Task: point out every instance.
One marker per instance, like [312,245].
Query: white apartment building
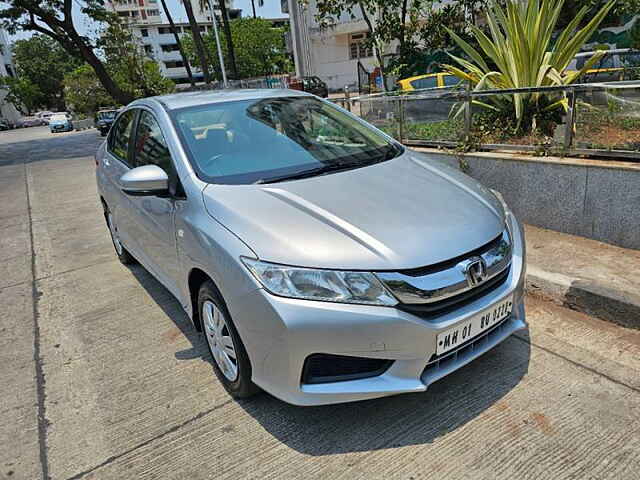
[149,25]
[7,110]
[331,54]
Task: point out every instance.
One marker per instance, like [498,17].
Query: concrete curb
[622,308]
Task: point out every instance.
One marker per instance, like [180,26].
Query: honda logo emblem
[476,271]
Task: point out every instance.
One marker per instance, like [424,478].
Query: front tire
[230,360]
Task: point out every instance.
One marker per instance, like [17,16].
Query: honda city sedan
[323,261]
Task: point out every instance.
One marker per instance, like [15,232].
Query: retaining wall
[596,199]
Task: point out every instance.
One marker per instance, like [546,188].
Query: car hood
[404,213]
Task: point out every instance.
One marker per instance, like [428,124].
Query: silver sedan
[323,261]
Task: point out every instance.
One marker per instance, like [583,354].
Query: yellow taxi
[430,80]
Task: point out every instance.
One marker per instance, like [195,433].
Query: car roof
[190,99]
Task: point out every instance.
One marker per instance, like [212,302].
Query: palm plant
[522,53]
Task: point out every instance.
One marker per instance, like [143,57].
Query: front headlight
[323,285]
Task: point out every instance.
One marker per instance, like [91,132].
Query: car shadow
[409,419]
[172,309]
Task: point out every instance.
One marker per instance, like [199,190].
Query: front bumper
[280,333]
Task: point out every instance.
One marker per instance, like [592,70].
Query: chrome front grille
[430,290]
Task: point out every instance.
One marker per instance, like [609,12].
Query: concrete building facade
[7,69]
[149,25]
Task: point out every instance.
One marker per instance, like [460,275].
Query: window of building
[153,13]
[164,30]
[174,64]
[358,48]
[144,32]
[148,49]
[169,47]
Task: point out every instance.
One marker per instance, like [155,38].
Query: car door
[115,163]
[152,217]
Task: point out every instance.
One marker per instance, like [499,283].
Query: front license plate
[481,322]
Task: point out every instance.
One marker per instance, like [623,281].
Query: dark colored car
[25,122]
[104,119]
[316,86]
[5,124]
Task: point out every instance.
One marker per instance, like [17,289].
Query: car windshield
[274,139]
[106,115]
[58,118]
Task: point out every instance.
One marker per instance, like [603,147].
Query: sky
[271,9]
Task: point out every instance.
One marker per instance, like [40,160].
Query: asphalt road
[103,376]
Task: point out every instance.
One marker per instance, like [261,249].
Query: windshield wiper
[310,173]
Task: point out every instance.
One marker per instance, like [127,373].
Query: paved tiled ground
[103,376]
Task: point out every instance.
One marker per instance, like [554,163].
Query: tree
[520,46]
[128,65]
[172,26]
[42,62]
[84,92]
[197,41]
[260,48]
[22,93]
[54,18]
[231,52]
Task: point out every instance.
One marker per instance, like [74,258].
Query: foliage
[259,48]
[84,92]
[42,62]
[521,50]
[418,28]
[621,8]
[55,19]
[634,35]
[25,95]
[128,65]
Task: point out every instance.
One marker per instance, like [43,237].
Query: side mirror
[145,181]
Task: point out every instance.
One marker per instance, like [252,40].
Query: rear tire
[123,254]
[230,360]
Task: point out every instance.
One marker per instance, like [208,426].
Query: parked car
[44,116]
[25,122]
[5,124]
[315,86]
[104,119]
[610,68]
[323,261]
[60,122]
[430,80]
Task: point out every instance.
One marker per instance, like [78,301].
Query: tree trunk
[227,33]
[94,62]
[197,40]
[373,39]
[177,37]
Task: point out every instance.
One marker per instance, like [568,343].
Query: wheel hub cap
[219,340]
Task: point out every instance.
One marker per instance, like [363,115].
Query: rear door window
[450,80]
[426,82]
[121,136]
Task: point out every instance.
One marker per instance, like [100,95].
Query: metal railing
[600,119]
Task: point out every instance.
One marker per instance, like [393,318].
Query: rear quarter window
[120,136]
